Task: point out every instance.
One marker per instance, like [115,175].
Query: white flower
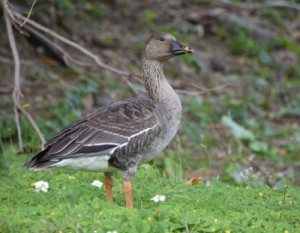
[111,232]
[41,186]
[159,198]
[97,183]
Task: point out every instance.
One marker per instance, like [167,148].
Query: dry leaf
[282,152]
[194,180]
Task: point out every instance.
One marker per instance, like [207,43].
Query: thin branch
[34,125]
[9,61]
[133,88]
[254,6]
[17,94]
[197,86]
[16,91]
[6,8]
[29,13]
[203,92]
[55,48]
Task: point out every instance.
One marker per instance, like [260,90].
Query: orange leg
[128,193]
[108,188]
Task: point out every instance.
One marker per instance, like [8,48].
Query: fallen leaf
[282,152]
[194,180]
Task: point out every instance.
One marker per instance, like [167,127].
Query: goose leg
[128,193]
[108,188]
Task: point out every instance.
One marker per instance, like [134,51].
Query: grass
[72,204]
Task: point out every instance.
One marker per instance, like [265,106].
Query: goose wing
[100,132]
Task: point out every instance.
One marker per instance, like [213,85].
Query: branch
[16,91]
[57,52]
[203,91]
[9,61]
[254,6]
[17,94]
[29,13]
[6,8]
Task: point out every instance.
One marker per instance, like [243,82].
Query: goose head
[162,46]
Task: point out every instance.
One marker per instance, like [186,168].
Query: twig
[34,125]
[253,6]
[197,86]
[29,13]
[57,50]
[16,91]
[6,8]
[9,61]
[133,88]
[204,92]
[17,94]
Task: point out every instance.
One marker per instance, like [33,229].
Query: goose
[124,134]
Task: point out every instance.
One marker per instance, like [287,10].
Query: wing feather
[100,132]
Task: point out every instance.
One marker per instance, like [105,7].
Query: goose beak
[179,49]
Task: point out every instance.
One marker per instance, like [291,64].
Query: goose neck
[155,82]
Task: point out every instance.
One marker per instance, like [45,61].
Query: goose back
[122,132]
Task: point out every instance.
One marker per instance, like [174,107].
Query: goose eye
[161,38]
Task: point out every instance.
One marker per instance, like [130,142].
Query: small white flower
[41,186]
[97,183]
[111,232]
[159,198]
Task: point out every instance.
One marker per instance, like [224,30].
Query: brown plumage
[124,134]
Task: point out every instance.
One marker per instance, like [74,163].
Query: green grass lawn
[72,204]
[246,114]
